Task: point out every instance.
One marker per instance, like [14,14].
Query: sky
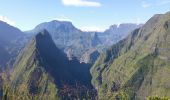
[89,15]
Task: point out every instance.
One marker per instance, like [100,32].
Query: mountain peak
[9,32]
[113,26]
[44,40]
[54,25]
[43,33]
[57,21]
[62,24]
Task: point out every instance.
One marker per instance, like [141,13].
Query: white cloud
[63,19]
[81,3]
[5,19]
[163,2]
[92,28]
[146,4]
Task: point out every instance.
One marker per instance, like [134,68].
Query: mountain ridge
[12,40]
[136,67]
[44,69]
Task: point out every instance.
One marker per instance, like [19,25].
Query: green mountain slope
[138,66]
[42,72]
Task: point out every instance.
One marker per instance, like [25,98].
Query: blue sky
[84,14]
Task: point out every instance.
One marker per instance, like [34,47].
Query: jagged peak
[44,40]
[114,26]
[43,33]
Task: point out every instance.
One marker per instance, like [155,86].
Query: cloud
[63,19]
[79,3]
[146,4]
[5,19]
[163,2]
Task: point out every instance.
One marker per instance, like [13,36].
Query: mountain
[43,71]
[76,43]
[116,33]
[9,33]
[90,56]
[67,37]
[11,41]
[138,66]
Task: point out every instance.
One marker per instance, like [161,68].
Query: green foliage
[158,98]
[139,63]
[41,75]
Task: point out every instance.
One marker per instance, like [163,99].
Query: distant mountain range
[74,42]
[116,33]
[77,43]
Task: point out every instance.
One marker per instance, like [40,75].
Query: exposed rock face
[90,56]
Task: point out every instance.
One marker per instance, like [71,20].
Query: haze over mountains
[73,41]
[56,60]
[76,43]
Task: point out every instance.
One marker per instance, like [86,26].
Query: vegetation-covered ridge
[138,66]
[42,72]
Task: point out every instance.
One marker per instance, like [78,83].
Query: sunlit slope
[138,66]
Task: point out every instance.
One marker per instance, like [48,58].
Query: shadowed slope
[43,69]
